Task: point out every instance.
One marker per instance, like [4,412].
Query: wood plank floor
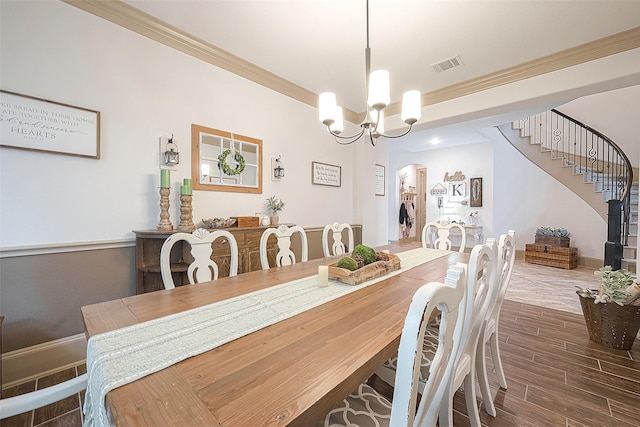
[556,376]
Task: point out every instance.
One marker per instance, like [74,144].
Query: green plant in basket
[619,286]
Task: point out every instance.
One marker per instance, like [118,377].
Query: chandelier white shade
[379,97]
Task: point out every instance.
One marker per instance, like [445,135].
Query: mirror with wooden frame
[223,161]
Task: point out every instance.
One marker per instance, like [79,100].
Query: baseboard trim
[26,364]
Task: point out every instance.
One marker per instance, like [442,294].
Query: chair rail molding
[55,248]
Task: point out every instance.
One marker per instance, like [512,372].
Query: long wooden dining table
[290,373]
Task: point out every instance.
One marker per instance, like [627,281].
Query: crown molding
[611,45]
[133,19]
[142,23]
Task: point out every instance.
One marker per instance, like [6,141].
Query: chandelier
[377,85]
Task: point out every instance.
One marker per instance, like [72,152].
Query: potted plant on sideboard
[274,205]
[612,313]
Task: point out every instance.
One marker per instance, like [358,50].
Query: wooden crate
[248,221]
[552,241]
[368,272]
[552,256]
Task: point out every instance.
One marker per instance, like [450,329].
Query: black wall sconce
[171,157]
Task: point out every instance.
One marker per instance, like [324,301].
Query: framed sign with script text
[37,124]
[324,174]
[380,180]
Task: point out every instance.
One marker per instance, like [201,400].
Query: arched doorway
[411,208]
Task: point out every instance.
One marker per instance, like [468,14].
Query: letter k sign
[456,190]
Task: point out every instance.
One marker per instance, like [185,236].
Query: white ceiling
[319,44]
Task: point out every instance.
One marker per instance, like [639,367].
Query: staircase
[587,162]
[630,248]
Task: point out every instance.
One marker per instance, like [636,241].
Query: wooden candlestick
[186,214]
[164,224]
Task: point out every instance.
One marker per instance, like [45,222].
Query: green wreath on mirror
[222,160]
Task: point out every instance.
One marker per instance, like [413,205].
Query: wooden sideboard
[149,243]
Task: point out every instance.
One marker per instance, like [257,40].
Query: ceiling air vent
[447,64]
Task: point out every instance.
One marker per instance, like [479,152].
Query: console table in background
[149,243]
[474,231]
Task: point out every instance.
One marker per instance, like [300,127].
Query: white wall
[526,197]
[473,160]
[516,194]
[144,90]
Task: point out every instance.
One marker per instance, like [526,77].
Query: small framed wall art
[380,180]
[324,174]
[475,199]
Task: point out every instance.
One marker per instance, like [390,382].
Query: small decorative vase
[274,220]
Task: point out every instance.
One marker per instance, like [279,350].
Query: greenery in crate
[552,231]
[619,286]
[362,255]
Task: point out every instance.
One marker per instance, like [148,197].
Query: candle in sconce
[323,275]
[165,178]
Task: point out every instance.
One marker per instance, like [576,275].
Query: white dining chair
[285,255]
[15,405]
[489,333]
[337,247]
[366,407]
[481,277]
[437,236]
[203,268]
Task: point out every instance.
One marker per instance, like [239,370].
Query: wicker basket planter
[610,324]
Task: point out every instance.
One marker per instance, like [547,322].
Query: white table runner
[124,355]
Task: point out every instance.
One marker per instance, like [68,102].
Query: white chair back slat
[437,236]
[482,276]
[203,268]
[37,399]
[337,247]
[489,333]
[285,255]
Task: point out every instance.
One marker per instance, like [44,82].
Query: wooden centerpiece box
[553,256]
[368,272]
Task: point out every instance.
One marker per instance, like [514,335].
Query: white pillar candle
[323,275]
